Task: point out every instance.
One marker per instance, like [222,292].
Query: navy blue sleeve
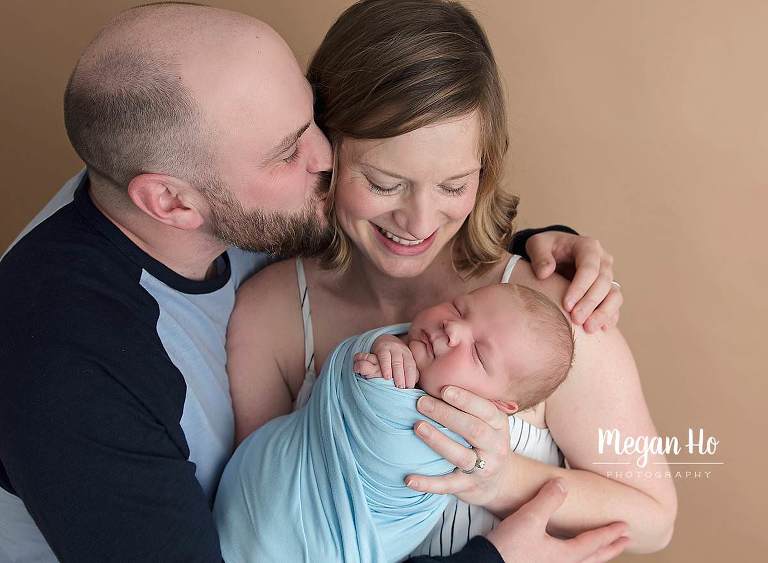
[521,238]
[478,550]
[100,475]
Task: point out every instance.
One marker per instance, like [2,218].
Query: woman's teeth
[399,240]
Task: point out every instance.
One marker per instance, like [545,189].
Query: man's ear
[507,407]
[166,199]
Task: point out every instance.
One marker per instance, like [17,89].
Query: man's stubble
[299,233]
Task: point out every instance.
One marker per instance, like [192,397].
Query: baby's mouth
[428,343]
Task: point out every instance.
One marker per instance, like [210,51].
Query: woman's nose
[417,216]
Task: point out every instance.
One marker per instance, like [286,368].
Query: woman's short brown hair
[388,67]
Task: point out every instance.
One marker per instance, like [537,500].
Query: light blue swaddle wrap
[325,483]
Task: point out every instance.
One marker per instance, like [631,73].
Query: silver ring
[479,463]
[617,284]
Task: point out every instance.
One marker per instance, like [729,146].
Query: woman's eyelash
[454,191]
[381,191]
[294,156]
[451,191]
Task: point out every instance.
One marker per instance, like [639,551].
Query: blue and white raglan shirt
[115,415]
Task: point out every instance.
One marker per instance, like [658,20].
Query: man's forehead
[260,116]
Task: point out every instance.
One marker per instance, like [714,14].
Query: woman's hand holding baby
[481,424]
[390,358]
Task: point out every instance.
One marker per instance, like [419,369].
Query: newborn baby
[506,343]
[326,482]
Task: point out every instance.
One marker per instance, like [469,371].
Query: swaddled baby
[325,483]
[506,343]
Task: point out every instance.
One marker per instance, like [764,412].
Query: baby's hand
[394,360]
[367,365]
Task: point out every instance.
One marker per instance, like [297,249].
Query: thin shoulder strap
[510,266]
[306,315]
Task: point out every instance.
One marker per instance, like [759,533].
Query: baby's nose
[453,329]
[439,340]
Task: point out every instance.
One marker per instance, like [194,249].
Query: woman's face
[401,200]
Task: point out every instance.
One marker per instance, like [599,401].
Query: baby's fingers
[366,368]
[411,372]
[385,362]
[398,369]
[368,357]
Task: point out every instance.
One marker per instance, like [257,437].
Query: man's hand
[522,537]
[390,358]
[591,299]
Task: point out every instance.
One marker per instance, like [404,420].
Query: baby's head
[507,343]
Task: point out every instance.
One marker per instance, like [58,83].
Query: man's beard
[301,233]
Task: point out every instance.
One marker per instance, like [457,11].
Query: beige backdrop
[641,122]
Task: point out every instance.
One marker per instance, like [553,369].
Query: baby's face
[477,342]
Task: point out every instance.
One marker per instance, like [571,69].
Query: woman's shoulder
[553,287]
[270,298]
[275,284]
[267,317]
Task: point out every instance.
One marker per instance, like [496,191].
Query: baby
[507,343]
[326,482]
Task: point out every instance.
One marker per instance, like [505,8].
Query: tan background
[641,122]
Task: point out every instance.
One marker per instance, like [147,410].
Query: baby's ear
[507,407]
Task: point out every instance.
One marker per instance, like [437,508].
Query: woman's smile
[399,246]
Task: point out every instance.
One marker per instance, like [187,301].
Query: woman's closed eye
[453,190]
[382,190]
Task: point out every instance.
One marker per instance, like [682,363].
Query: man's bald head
[132,103]
[195,116]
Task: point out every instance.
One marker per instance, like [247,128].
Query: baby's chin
[428,378]
[429,384]
[421,357]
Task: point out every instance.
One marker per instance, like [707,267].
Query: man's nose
[321,158]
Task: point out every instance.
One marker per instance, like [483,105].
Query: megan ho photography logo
[698,444]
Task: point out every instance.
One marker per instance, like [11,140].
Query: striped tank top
[460,521]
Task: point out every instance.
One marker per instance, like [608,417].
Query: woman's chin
[402,266]
[403,271]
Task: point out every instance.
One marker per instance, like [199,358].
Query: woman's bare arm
[263,345]
[599,393]
[602,391]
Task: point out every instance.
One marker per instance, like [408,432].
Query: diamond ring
[479,463]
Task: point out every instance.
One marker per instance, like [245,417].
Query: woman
[409,94]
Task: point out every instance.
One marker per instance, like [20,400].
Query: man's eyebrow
[286,143]
[399,177]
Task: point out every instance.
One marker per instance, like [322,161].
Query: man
[114,408]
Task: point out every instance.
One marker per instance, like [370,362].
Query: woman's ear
[166,199]
[507,407]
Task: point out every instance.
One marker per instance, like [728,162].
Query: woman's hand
[481,424]
[592,300]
